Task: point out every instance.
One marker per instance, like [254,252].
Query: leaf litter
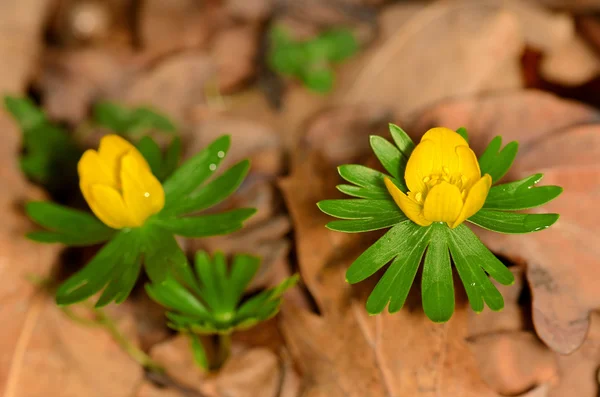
[423,64]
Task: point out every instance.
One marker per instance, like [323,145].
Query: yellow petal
[443,203]
[111,151]
[411,209]
[445,140]
[468,166]
[92,170]
[142,192]
[109,207]
[419,165]
[475,199]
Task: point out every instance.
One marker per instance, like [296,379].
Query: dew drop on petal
[146,194]
[212,167]
[221,154]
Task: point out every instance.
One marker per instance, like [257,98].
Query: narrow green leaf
[25,112]
[363,176]
[207,225]
[359,208]
[478,253]
[361,192]
[125,276]
[112,116]
[220,279]
[242,271]
[96,274]
[398,278]
[68,226]
[366,225]
[389,156]
[195,171]
[174,296]
[162,254]
[437,286]
[497,162]
[208,278]
[469,255]
[319,78]
[402,140]
[511,222]
[151,152]
[462,131]
[214,192]
[198,352]
[521,194]
[172,158]
[145,118]
[391,244]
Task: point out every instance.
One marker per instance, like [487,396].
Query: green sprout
[311,61]
[209,301]
[431,189]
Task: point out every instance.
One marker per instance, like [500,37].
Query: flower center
[456,179]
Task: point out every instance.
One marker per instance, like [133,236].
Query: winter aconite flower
[443,179]
[118,184]
[431,190]
[136,216]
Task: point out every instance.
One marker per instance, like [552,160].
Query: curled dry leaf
[514,362]
[343,351]
[562,262]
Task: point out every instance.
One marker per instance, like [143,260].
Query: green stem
[137,354]
[224,350]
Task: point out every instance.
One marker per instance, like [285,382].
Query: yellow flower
[443,179]
[118,184]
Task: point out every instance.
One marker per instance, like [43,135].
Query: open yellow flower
[443,179]
[118,184]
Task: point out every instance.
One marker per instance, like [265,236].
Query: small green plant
[132,123]
[209,301]
[431,189]
[49,156]
[137,216]
[311,61]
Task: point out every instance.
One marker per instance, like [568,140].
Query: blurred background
[300,85]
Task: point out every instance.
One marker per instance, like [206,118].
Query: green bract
[407,243]
[115,268]
[131,122]
[311,61]
[208,299]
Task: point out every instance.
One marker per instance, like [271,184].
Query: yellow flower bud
[118,184]
[443,179]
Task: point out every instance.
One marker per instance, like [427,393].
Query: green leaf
[244,268]
[340,43]
[319,78]
[152,153]
[510,222]
[361,192]
[198,351]
[207,225]
[521,194]
[402,141]
[469,254]
[195,171]
[25,112]
[359,208]
[365,225]
[462,131]
[437,286]
[497,162]
[387,247]
[174,296]
[112,116]
[68,226]
[389,156]
[398,278]
[363,176]
[211,292]
[162,254]
[96,274]
[145,118]
[171,160]
[125,276]
[214,192]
